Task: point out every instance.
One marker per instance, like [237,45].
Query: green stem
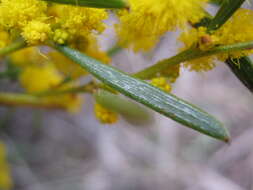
[13,47]
[14,99]
[87,88]
[190,54]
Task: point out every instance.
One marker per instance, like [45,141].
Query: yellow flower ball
[104,115]
[40,78]
[142,26]
[162,83]
[36,32]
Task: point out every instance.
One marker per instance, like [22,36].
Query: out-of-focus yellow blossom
[66,66]
[71,102]
[40,78]
[27,57]
[104,115]
[226,35]
[33,57]
[36,32]
[5,176]
[17,13]
[142,26]
[162,83]
[87,45]
[4,38]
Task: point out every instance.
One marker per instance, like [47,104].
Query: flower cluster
[39,74]
[38,21]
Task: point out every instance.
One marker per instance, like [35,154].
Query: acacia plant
[47,46]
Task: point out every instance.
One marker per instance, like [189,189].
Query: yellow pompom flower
[142,26]
[38,21]
[17,13]
[28,57]
[162,83]
[75,20]
[228,34]
[40,78]
[5,178]
[72,102]
[104,115]
[36,32]
[60,36]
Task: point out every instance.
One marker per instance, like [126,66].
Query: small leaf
[144,93]
[129,110]
[243,69]
[226,10]
[94,3]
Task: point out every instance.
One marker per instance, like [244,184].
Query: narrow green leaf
[94,3]
[203,22]
[243,69]
[154,98]
[226,10]
[216,2]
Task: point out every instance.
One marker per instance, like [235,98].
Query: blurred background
[55,150]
